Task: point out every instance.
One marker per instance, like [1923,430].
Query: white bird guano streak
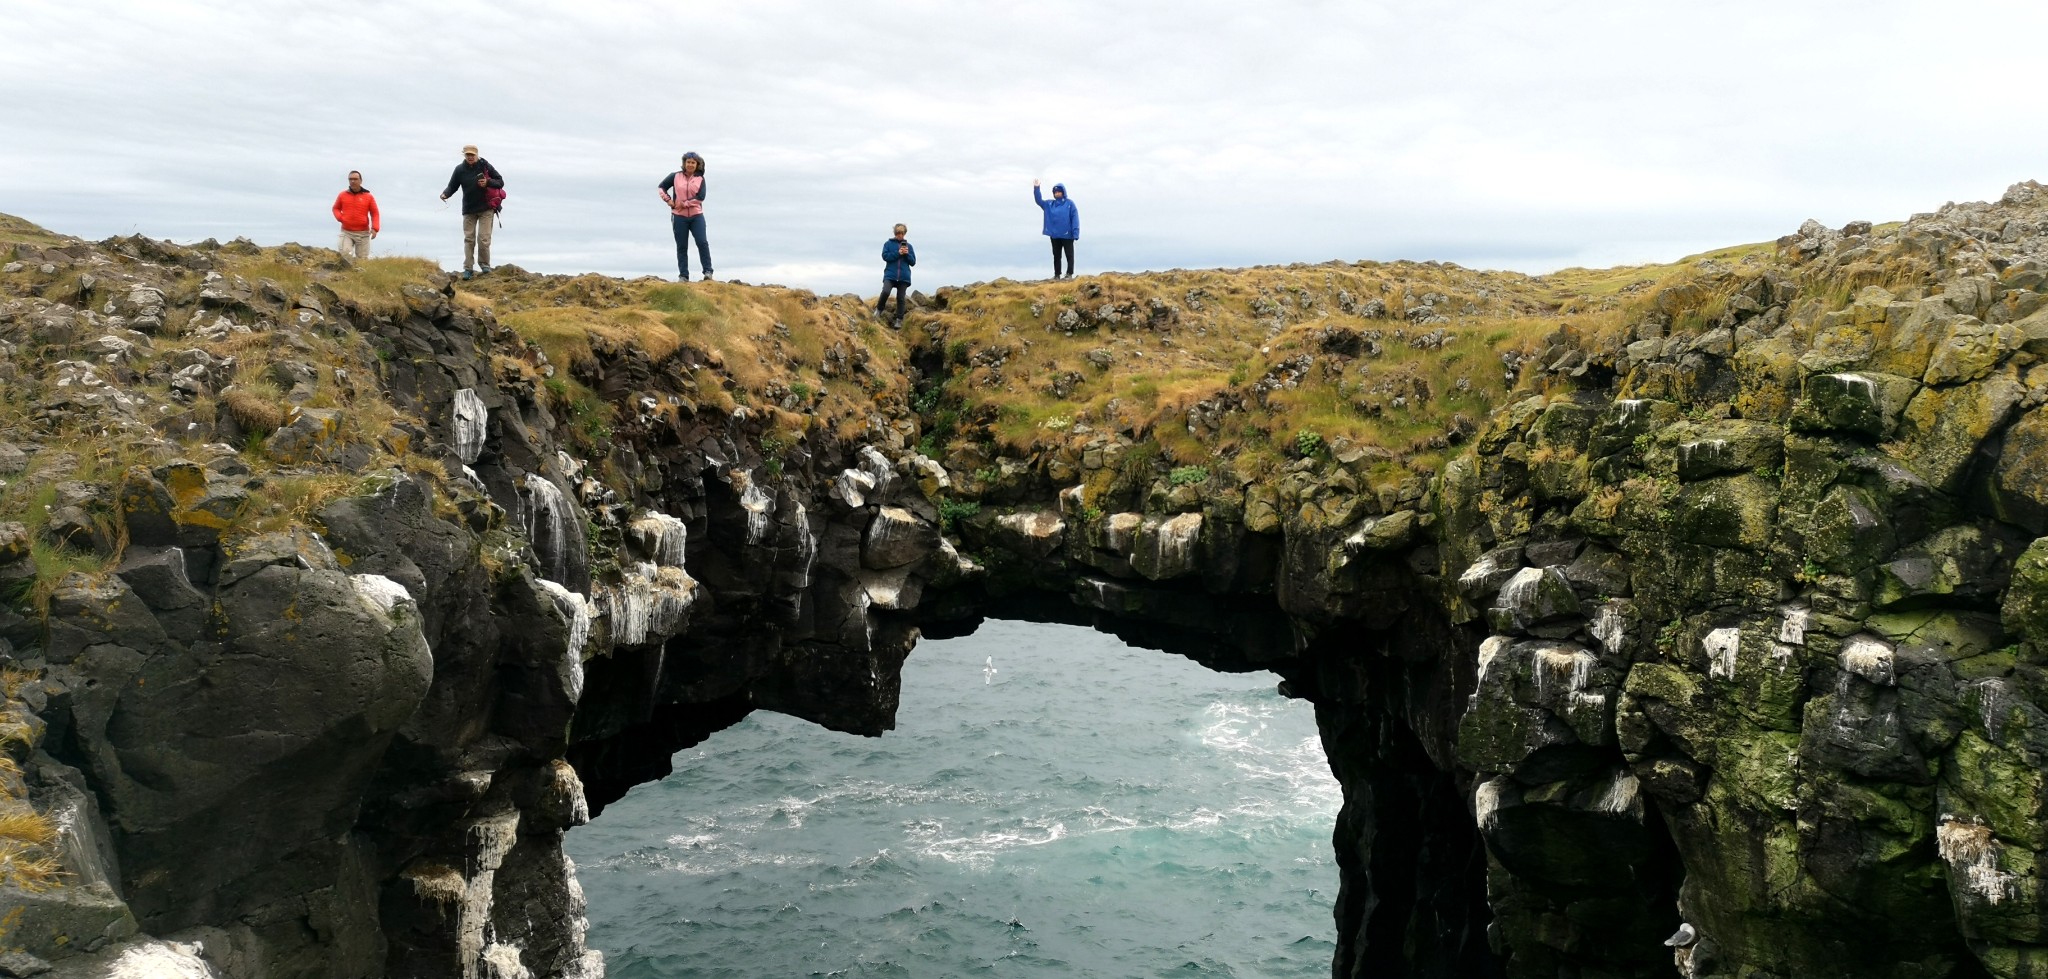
[660,537]
[471,418]
[1722,646]
[546,523]
[651,602]
[577,611]
[1970,849]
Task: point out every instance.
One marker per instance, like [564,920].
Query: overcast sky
[1526,134]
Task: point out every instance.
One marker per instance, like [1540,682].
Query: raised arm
[1037,197]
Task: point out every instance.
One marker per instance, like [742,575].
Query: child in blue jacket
[1062,225]
[897,258]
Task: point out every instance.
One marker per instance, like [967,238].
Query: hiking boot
[707,275]
[485,270]
[467,275]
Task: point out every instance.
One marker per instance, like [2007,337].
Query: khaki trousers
[354,244]
[476,240]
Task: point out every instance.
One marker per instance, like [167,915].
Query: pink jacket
[682,198]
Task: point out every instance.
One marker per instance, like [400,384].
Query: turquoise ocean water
[1052,803]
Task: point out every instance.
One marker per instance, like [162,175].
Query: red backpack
[494,197]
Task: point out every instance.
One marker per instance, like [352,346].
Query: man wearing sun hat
[476,178]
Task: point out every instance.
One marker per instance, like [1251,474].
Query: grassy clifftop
[1384,367]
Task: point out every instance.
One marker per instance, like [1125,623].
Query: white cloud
[1529,135]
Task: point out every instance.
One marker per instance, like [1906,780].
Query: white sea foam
[1240,733]
[979,850]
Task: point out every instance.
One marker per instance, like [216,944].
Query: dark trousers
[900,287]
[1062,246]
[686,228]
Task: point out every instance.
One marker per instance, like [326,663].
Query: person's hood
[1059,188]
[692,155]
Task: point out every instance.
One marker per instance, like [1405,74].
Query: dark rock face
[1724,659]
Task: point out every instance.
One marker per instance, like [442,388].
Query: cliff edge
[1682,619]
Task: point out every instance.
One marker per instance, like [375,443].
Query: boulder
[1167,547]
[1533,596]
[896,538]
[1729,446]
[2026,598]
[1971,350]
[1867,403]
[1037,534]
[1485,576]
[1388,533]
[1942,428]
[308,435]
[2020,480]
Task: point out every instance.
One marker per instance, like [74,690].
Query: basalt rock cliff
[1682,621]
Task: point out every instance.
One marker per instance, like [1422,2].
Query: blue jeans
[686,228]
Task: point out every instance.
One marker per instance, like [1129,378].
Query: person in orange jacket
[356,209]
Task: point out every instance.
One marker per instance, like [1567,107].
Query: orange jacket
[357,212]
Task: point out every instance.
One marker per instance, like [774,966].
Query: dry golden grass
[765,347]
[258,406]
[378,284]
[14,229]
[1218,335]
[26,837]
[570,334]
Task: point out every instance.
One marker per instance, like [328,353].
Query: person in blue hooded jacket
[897,258]
[1062,225]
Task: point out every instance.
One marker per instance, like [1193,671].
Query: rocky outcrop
[1714,649]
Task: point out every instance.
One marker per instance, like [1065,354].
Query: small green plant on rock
[1667,637]
[1308,443]
[1188,475]
[952,511]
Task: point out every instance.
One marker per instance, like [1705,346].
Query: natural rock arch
[1732,613]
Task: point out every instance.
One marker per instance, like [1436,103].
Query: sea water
[1051,803]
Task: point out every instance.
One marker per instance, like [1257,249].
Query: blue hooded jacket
[897,261]
[1062,219]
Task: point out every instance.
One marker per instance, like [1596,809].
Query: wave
[980,849]
[1265,759]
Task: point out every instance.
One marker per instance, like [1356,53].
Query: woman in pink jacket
[683,192]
